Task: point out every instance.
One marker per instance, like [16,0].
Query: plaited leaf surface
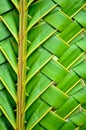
[42,64]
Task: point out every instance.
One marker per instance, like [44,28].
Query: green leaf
[2,125]
[82,44]
[80,96]
[53,121]
[42,64]
[68,125]
[5,6]
[64,110]
[56,96]
[11,16]
[40,10]
[69,80]
[68,58]
[55,45]
[74,6]
[40,112]
[10,55]
[4,32]
[58,16]
[54,71]
[42,59]
[6,108]
[7,81]
[42,36]
[2,58]
[80,17]
[79,119]
[79,69]
[38,88]
[70,31]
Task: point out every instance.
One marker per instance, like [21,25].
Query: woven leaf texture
[55,81]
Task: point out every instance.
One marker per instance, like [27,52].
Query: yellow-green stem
[21,65]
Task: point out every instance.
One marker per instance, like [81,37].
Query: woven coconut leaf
[42,64]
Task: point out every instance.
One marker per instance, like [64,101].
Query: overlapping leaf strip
[56,65]
[8,64]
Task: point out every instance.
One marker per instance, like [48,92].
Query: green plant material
[42,64]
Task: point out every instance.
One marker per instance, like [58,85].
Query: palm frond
[42,64]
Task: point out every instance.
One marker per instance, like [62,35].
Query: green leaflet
[53,121]
[70,31]
[36,117]
[41,9]
[57,16]
[10,55]
[6,108]
[38,88]
[67,59]
[79,69]
[51,70]
[68,125]
[81,44]
[56,96]
[41,59]
[55,45]
[80,96]
[4,32]
[80,119]
[5,6]
[2,125]
[1,86]
[42,36]
[13,17]
[38,127]
[64,109]
[80,17]
[69,80]
[7,81]
[2,58]
[74,6]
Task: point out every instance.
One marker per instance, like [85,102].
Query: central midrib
[21,65]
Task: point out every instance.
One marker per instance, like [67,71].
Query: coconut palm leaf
[42,64]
